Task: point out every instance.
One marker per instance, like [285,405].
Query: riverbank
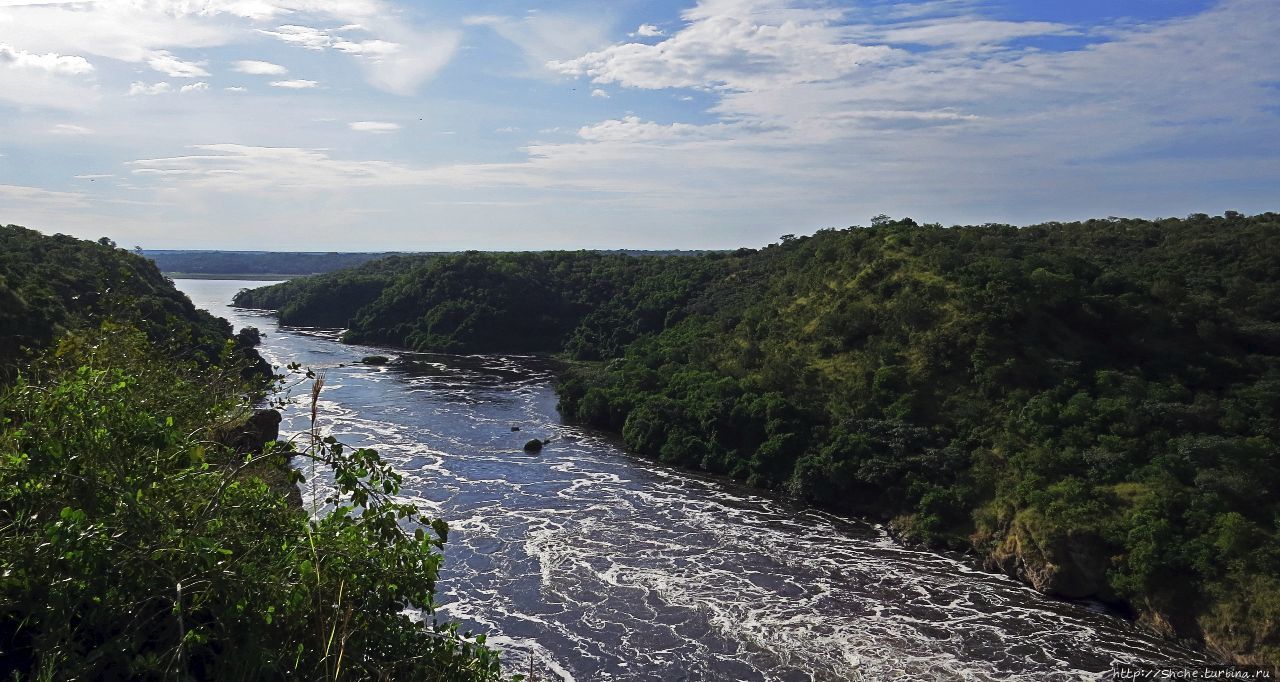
[1094,424]
[602,563]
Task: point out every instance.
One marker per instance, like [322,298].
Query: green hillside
[50,285]
[1091,407]
[150,524]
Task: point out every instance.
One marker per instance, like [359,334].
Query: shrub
[134,545]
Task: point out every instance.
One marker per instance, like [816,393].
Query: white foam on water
[606,566]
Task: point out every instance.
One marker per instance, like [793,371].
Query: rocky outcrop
[1073,566]
[255,367]
[254,434]
[251,437]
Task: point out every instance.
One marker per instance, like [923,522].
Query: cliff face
[262,427]
[1075,567]
[1072,566]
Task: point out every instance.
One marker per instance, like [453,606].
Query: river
[599,565]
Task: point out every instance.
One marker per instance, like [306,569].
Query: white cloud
[146,32]
[257,68]
[733,45]
[367,48]
[600,93]
[546,37]
[70,129]
[646,31]
[238,169]
[140,88]
[151,31]
[257,10]
[816,77]
[374,126]
[399,62]
[236,88]
[50,62]
[808,113]
[632,129]
[295,84]
[321,39]
[808,102]
[971,32]
[94,176]
[195,87]
[394,55]
[401,66]
[235,168]
[164,62]
[302,36]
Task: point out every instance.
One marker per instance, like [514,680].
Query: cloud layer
[725,124]
[49,62]
[259,68]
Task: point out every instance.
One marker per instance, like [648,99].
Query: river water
[591,564]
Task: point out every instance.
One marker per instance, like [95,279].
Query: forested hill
[461,302]
[285,264]
[1092,407]
[255,263]
[150,525]
[52,285]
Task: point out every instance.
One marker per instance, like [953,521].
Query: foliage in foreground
[133,545]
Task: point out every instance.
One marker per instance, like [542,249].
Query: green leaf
[441,528]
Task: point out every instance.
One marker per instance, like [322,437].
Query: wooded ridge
[149,519]
[1092,407]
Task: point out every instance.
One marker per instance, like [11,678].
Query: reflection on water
[603,566]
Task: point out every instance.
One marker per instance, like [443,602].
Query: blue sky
[377,124]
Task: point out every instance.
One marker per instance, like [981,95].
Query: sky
[371,125]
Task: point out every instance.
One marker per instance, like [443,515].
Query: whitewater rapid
[598,565]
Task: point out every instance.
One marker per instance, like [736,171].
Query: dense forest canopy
[460,302]
[255,262]
[50,285]
[1093,407]
[246,264]
[150,524]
